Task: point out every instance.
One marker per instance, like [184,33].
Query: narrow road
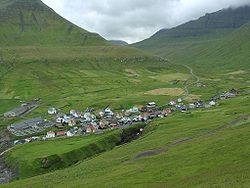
[192,73]
[1,154]
[197,80]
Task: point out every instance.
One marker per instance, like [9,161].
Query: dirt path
[185,140]
[192,73]
[197,80]
[1,154]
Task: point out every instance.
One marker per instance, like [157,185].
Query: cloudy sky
[135,20]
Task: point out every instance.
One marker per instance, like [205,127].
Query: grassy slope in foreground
[189,152]
[43,157]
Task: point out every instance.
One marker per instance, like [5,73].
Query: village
[76,122]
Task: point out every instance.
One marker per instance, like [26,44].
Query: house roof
[61,133]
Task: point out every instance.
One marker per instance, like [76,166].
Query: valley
[169,111]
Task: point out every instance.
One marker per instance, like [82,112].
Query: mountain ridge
[214,25]
[31,22]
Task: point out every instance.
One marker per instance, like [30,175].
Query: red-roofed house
[61,133]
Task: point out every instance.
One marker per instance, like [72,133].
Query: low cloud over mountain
[134,20]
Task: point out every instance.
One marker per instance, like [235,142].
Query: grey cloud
[134,20]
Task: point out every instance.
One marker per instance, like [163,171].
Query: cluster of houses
[77,122]
[91,121]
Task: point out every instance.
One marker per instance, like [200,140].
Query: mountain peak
[31,22]
[28,4]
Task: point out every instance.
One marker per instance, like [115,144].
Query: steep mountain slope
[26,22]
[229,53]
[196,35]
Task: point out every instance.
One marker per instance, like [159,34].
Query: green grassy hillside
[229,53]
[183,150]
[219,40]
[26,22]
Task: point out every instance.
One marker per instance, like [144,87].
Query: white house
[212,103]
[52,111]
[180,100]
[151,105]
[71,132]
[51,134]
[59,120]
[192,106]
[172,103]
[133,110]
[75,113]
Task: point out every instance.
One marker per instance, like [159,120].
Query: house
[71,132]
[108,113]
[72,122]
[180,100]
[151,105]
[172,103]
[212,103]
[75,113]
[103,124]
[114,124]
[183,108]
[89,117]
[61,133]
[144,116]
[91,128]
[66,118]
[51,134]
[166,112]
[16,142]
[199,104]
[133,110]
[52,111]
[191,106]
[229,95]
[59,120]
[222,97]
[28,140]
